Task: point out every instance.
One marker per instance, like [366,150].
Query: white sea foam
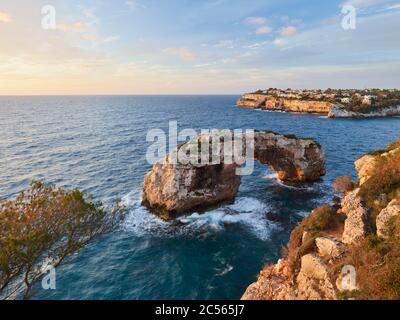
[274,177]
[246,212]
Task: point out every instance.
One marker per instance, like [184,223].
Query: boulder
[313,282]
[384,217]
[329,248]
[292,158]
[356,226]
[171,190]
[364,167]
[273,284]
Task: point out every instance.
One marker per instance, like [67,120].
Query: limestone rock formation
[173,188]
[339,111]
[313,280]
[356,226]
[271,103]
[332,110]
[364,166]
[273,284]
[384,217]
[329,247]
[296,160]
[323,264]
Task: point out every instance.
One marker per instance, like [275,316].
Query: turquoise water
[99,143]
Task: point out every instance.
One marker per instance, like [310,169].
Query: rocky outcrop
[356,226]
[273,284]
[385,216]
[332,110]
[339,111]
[299,106]
[364,167]
[313,282]
[293,159]
[331,256]
[255,101]
[173,188]
[328,247]
[271,103]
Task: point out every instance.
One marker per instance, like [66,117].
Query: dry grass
[322,221]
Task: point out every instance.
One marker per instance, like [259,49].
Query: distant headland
[334,103]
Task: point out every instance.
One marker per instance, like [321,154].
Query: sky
[196,47]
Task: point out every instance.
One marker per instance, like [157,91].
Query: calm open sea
[98,144]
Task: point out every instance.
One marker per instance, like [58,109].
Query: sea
[98,144]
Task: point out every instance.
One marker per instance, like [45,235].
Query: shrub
[322,220]
[343,184]
[384,180]
[42,224]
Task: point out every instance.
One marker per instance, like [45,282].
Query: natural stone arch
[172,189]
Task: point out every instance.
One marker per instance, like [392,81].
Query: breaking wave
[246,212]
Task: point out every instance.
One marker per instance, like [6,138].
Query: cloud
[264,30]
[5,17]
[393,7]
[256,21]
[288,31]
[213,3]
[362,3]
[260,23]
[131,5]
[134,5]
[183,53]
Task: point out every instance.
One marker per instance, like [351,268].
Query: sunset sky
[190,47]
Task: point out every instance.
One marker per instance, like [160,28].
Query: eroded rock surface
[173,188]
[384,217]
[356,226]
[329,247]
[313,280]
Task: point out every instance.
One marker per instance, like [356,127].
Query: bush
[384,180]
[343,184]
[322,220]
[45,224]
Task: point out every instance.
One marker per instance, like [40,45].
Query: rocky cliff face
[337,247]
[270,103]
[332,110]
[338,111]
[173,188]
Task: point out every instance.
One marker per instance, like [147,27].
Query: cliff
[338,111]
[181,183]
[347,250]
[271,103]
[330,109]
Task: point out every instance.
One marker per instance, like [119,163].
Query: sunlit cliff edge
[348,249]
[332,103]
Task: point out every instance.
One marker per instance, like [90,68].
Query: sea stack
[172,189]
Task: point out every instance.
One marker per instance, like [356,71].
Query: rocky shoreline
[326,108]
[348,249]
[175,188]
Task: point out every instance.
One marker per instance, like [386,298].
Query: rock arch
[172,189]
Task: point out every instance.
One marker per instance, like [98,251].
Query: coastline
[332,110]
